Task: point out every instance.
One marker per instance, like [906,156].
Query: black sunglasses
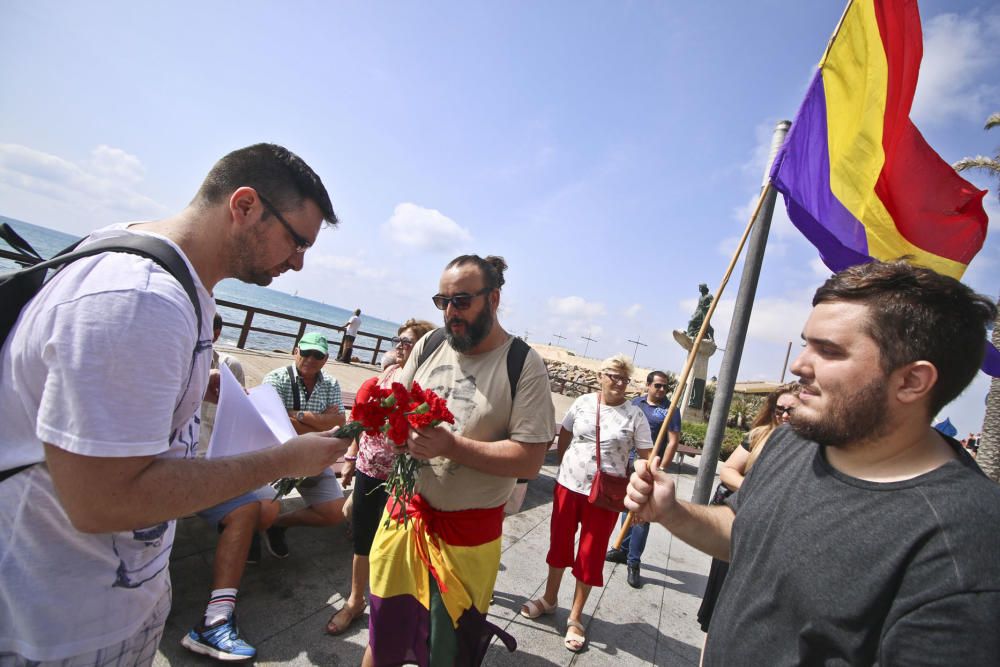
[782,410]
[313,354]
[301,244]
[659,385]
[460,301]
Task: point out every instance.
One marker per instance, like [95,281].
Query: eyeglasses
[312,354]
[301,244]
[782,410]
[461,301]
[617,379]
[402,342]
[659,385]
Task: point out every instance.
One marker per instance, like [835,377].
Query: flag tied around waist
[858,178]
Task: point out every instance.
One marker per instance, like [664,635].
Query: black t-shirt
[832,570]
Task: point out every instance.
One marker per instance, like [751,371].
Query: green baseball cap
[313,341]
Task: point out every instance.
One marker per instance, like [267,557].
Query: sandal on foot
[537,607]
[574,642]
[335,628]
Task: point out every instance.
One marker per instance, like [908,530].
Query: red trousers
[570,510]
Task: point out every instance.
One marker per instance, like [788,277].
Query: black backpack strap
[516,356]
[15,241]
[151,247]
[434,340]
[296,401]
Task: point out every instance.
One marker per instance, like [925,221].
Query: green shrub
[693,435]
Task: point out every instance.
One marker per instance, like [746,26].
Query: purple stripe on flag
[801,172]
[991,362]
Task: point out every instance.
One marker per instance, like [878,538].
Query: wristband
[350,458]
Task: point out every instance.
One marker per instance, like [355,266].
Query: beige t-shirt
[477,391]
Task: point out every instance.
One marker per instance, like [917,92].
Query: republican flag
[857,176]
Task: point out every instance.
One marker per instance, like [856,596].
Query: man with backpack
[432,575]
[101,379]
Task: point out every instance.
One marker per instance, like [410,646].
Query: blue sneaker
[220,641]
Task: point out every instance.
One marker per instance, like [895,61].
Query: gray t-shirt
[832,570]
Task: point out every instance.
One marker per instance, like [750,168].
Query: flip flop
[333,628]
[574,642]
[537,607]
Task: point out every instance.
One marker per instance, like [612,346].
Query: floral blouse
[622,428]
[375,455]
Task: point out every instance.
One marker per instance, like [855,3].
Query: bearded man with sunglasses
[432,576]
[315,404]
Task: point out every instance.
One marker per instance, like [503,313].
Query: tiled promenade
[284,604]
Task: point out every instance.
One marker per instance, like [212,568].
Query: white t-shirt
[103,362]
[622,428]
[353,325]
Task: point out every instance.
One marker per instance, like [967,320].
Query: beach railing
[377,344]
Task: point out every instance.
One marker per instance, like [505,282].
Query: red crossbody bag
[607,491]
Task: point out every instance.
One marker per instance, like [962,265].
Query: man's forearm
[323,421]
[104,495]
[506,458]
[705,527]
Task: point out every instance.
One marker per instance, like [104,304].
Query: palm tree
[989,444]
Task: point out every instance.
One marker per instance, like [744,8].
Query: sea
[47,242]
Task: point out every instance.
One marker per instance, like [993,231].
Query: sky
[611,152]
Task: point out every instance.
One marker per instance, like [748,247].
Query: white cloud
[779,319]
[632,310]
[424,229]
[575,307]
[959,51]
[819,269]
[105,183]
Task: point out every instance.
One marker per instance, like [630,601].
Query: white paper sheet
[247,423]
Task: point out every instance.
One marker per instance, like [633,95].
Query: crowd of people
[853,532]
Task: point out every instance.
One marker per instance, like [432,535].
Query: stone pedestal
[693,402]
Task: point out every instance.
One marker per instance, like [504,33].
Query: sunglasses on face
[301,244]
[461,301]
[781,410]
[313,354]
[617,379]
[659,385]
[402,342]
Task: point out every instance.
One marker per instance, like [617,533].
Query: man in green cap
[314,404]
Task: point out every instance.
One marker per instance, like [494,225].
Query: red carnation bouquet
[393,412]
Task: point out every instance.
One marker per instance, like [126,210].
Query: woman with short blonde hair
[607,420]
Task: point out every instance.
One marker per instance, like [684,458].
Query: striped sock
[221,605]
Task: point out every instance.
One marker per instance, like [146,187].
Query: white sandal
[537,607]
[574,642]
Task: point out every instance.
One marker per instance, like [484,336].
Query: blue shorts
[215,515]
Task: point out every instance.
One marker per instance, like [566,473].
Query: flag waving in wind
[857,176]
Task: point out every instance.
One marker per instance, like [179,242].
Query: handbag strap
[598,429]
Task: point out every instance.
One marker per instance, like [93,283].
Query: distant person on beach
[598,433]
[432,577]
[368,463]
[862,535]
[237,521]
[654,406]
[101,380]
[314,403]
[350,333]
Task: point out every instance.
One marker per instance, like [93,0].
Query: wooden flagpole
[693,354]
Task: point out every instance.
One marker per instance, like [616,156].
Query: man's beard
[248,251]
[848,420]
[475,331]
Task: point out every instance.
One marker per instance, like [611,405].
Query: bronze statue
[694,325]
